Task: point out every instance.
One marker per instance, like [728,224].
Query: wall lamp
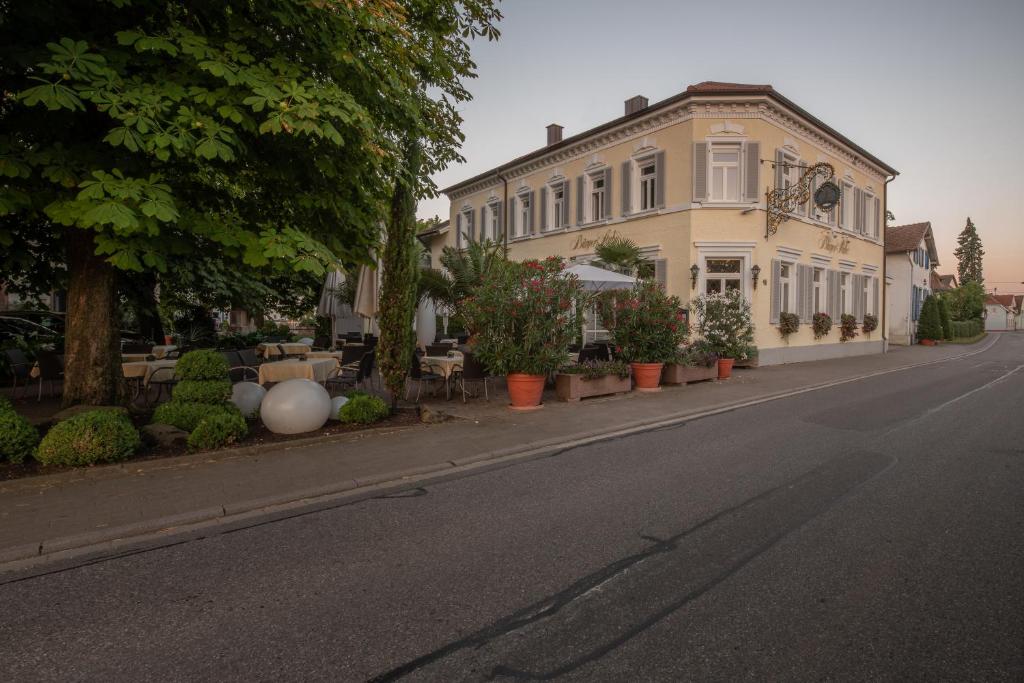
[755,272]
[694,272]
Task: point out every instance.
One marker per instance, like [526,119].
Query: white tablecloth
[317,370]
[145,369]
[442,365]
[162,350]
[291,348]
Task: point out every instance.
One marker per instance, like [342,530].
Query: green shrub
[965,329]
[203,364]
[945,319]
[214,391]
[363,410]
[216,430]
[96,436]
[17,436]
[187,416]
[928,324]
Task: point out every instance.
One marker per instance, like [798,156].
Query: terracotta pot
[725,367]
[647,376]
[168,340]
[525,391]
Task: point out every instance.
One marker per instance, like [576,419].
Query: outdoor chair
[352,374]
[438,349]
[351,355]
[51,369]
[162,378]
[472,371]
[249,358]
[417,375]
[20,369]
[238,371]
[177,353]
[321,344]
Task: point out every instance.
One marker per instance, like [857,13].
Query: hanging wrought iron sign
[783,201]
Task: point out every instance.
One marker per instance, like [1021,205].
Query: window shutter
[700,171]
[661,273]
[807,294]
[780,160]
[833,295]
[579,200]
[858,210]
[858,297]
[533,212]
[776,291]
[483,223]
[874,298]
[812,209]
[470,228]
[499,221]
[458,231]
[607,193]
[843,198]
[544,208]
[565,204]
[512,216]
[659,180]
[878,216]
[752,172]
[802,208]
[626,206]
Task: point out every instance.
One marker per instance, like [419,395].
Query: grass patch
[967,340]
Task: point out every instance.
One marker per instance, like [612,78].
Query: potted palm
[724,324]
[646,327]
[524,317]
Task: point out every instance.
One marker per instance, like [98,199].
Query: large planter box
[575,387]
[748,363]
[682,374]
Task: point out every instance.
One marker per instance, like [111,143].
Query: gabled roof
[941,283]
[1004,300]
[902,238]
[948,281]
[704,88]
[1018,302]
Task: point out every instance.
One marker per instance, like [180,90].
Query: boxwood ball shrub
[17,437]
[204,364]
[363,409]
[88,438]
[216,430]
[187,416]
[202,391]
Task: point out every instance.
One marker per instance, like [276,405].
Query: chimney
[635,104]
[554,134]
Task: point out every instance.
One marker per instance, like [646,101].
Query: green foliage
[617,253]
[17,437]
[967,329]
[398,293]
[944,318]
[821,324]
[697,355]
[524,316]
[201,365]
[870,323]
[723,321]
[595,369]
[645,324]
[461,272]
[847,327]
[969,253]
[216,430]
[788,323]
[363,409]
[967,302]
[211,391]
[88,438]
[187,416]
[929,325]
[194,327]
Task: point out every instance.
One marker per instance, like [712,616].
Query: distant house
[910,255]
[1018,301]
[1001,312]
[946,282]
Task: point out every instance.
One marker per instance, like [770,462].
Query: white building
[910,254]
[1000,312]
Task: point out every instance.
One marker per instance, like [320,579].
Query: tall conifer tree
[968,255]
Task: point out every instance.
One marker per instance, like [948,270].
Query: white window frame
[787,287]
[463,238]
[646,185]
[869,214]
[595,196]
[866,295]
[845,287]
[726,250]
[730,146]
[846,208]
[492,220]
[819,278]
[554,208]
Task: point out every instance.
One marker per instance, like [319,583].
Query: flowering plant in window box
[870,323]
[821,323]
[695,363]
[847,327]
[788,323]
[524,316]
[646,326]
[592,378]
[723,321]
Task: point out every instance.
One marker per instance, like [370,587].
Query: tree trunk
[92,373]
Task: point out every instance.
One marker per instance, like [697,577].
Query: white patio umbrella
[366,292]
[329,306]
[596,279]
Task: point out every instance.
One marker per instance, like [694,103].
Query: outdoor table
[162,350]
[324,354]
[145,369]
[134,357]
[291,348]
[317,370]
[442,365]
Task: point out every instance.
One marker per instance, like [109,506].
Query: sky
[935,89]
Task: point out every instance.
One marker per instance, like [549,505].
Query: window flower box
[684,374]
[573,387]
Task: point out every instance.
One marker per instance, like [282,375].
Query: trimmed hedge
[219,429]
[363,409]
[187,416]
[214,391]
[203,364]
[96,436]
[965,329]
[17,437]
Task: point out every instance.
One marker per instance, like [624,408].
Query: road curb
[352,490]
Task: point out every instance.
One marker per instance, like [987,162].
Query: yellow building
[686,180]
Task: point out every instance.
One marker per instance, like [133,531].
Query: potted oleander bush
[592,378]
[524,316]
[723,322]
[695,363]
[646,327]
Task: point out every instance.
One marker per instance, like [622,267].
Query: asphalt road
[874,530]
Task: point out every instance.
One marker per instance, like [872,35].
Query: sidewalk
[69,510]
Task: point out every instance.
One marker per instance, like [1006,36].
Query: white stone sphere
[336,403]
[307,341]
[247,397]
[295,406]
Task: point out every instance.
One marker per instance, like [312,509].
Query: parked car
[14,330]
[57,321]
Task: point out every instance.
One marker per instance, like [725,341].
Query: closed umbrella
[366,292]
[329,306]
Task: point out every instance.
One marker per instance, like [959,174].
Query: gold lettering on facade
[834,243]
[583,242]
